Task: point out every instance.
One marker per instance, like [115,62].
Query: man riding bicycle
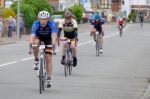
[120,22]
[45,31]
[141,17]
[98,26]
[69,26]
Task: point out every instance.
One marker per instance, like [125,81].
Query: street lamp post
[18,20]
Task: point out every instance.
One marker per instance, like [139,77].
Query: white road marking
[81,44]
[13,62]
[26,58]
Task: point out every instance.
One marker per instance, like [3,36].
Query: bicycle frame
[41,71]
[69,57]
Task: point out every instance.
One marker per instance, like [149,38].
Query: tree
[7,12]
[132,16]
[30,8]
[77,10]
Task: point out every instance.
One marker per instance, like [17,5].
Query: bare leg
[48,59]
[101,40]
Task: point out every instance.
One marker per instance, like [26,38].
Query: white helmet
[43,14]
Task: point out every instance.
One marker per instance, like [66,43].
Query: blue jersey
[36,25]
[44,33]
[98,24]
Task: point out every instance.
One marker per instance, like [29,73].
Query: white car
[56,18]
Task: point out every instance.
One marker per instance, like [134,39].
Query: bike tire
[70,67]
[41,76]
[141,24]
[121,32]
[66,68]
[97,47]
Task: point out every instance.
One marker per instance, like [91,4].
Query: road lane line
[13,62]
[84,43]
[81,44]
[26,58]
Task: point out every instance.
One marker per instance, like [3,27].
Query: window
[105,4]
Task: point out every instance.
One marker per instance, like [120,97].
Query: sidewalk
[5,40]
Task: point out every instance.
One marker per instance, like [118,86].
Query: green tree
[7,12]
[132,16]
[30,8]
[77,10]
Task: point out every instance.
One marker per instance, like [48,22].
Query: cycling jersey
[69,28]
[120,22]
[98,24]
[43,33]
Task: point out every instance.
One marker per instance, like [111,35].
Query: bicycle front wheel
[41,76]
[66,66]
[70,66]
[97,48]
[120,32]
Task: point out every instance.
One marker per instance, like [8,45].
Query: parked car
[84,18]
[56,18]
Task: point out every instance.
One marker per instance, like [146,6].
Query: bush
[132,16]
[77,10]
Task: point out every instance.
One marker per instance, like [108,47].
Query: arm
[75,26]
[60,26]
[59,32]
[33,33]
[54,33]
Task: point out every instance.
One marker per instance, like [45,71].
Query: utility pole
[67,2]
[18,20]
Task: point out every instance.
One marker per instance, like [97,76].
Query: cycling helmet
[43,14]
[97,17]
[68,14]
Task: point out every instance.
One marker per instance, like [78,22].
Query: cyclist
[69,26]
[120,23]
[98,26]
[141,17]
[125,20]
[45,31]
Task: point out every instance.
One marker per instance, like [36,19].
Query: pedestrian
[21,22]
[1,27]
[11,26]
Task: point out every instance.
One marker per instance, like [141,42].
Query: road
[121,72]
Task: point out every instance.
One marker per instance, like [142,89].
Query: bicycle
[98,46]
[69,57]
[141,24]
[141,21]
[120,30]
[42,71]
